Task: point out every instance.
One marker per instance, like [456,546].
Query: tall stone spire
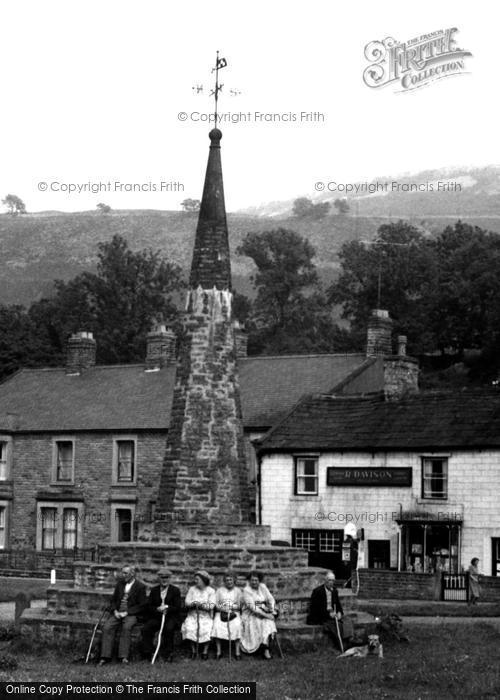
[204,476]
[211,265]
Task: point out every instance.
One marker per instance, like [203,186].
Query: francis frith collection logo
[414,63]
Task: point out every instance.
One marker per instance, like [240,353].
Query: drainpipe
[259,488]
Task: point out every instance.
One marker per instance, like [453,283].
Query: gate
[455,587]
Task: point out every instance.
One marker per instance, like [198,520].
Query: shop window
[306,476]
[435,477]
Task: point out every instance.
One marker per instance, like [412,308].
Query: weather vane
[219,63]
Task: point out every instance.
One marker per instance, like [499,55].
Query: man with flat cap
[164,599]
[325,609]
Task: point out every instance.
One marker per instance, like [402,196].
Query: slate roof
[271,386]
[125,397]
[434,420]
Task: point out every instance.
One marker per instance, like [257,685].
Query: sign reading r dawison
[369,476]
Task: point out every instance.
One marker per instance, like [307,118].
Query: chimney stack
[402,339]
[240,340]
[80,352]
[161,342]
[379,334]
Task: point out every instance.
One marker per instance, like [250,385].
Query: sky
[93,92]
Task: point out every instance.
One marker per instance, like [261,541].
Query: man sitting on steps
[325,606]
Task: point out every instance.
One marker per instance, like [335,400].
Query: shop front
[429,544]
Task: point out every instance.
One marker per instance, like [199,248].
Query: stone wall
[398,585]
[489,589]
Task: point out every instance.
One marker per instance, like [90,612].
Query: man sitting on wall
[325,607]
[128,601]
[164,600]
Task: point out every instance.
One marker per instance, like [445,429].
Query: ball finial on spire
[215,134]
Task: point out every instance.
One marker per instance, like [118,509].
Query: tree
[444,293]
[119,303]
[342,206]
[304,208]
[14,204]
[103,208]
[467,310]
[191,205]
[290,312]
[397,272]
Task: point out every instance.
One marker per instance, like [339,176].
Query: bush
[7,632]
[7,661]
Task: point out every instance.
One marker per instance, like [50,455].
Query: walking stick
[338,629]
[229,636]
[197,630]
[94,633]
[159,638]
[277,641]
[163,595]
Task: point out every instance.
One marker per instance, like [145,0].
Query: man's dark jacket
[136,601]
[318,607]
[172,599]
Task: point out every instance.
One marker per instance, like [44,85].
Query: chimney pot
[379,333]
[402,340]
[240,340]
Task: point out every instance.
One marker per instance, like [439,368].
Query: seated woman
[227,620]
[259,612]
[200,602]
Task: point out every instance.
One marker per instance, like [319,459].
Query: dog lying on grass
[373,648]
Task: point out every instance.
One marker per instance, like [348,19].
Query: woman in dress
[259,611]
[474,581]
[200,602]
[227,620]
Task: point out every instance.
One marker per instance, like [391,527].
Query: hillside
[472,192]
[38,248]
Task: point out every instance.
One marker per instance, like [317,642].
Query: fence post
[23,601]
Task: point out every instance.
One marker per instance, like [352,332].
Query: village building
[82,447]
[419,477]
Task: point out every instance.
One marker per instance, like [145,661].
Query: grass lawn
[439,662]
[10,587]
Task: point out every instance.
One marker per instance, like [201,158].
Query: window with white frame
[306,476]
[59,525]
[435,477]
[124,460]
[5,455]
[3,525]
[330,541]
[304,539]
[64,461]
